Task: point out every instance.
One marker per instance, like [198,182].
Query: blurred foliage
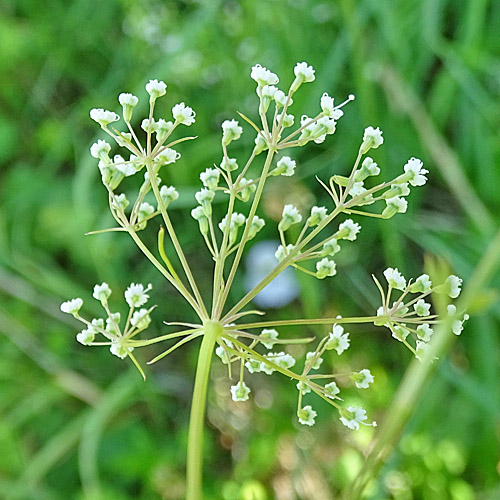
[77,424]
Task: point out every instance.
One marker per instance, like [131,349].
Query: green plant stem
[197,417]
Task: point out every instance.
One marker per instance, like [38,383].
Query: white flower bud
[285,166]
[156,89]
[102,293]
[372,139]
[168,194]
[103,117]
[318,215]
[128,102]
[290,216]
[348,230]
[231,131]
[263,76]
[331,247]
[325,267]
[210,178]
[230,164]
[183,114]
[317,362]
[72,306]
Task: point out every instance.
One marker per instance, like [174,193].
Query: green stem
[197,417]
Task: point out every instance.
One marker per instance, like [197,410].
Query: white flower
[304,72]
[285,166]
[423,284]
[318,361]
[253,366]
[168,194]
[372,139]
[421,349]
[395,205]
[453,284]
[140,319]
[126,99]
[363,379]
[303,388]
[325,267]
[280,99]
[318,215]
[348,230]
[368,168]
[281,359]
[120,202]
[205,197]
[354,416]
[103,117]
[331,247]
[338,340]
[415,172]
[100,149]
[400,332]
[231,131]
[136,295]
[119,350]
[156,88]
[168,156]
[102,292]
[425,332]
[395,279]
[458,325]
[210,178]
[183,114]
[245,188]
[328,107]
[357,189]
[263,76]
[269,91]
[331,390]
[260,143]
[230,164]
[148,125]
[240,391]
[268,333]
[86,337]
[145,210]
[286,119]
[306,415]
[257,224]
[223,353]
[281,253]
[290,216]
[422,308]
[72,306]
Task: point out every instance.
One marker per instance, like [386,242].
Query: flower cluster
[410,315]
[117,338]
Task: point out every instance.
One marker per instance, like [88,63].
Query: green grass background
[75,423]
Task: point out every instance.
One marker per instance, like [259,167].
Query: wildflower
[253,365]
[280,98]
[72,306]
[168,156]
[156,89]
[303,388]
[183,114]
[395,278]
[372,139]
[199,214]
[318,215]
[421,349]
[120,350]
[263,76]
[415,174]
[285,119]
[86,337]
[331,247]
[331,390]
[338,340]
[268,333]
[422,284]
[231,131]
[136,295]
[237,220]
[328,107]
[394,205]
[317,362]
[240,391]
[363,379]
[453,284]
[260,143]
[304,72]
[400,189]
[281,253]
[354,416]
[368,168]
[140,319]
[229,164]
[102,293]
[325,267]
[246,188]
[149,125]
[348,230]
[205,197]
[103,117]
[422,308]
[306,415]
[222,352]
[425,332]
[210,178]
[143,214]
[400,332]
[128,102]
[290,216]
[285,166]
[457,325]
[256,225]
[100,150]
[168,194]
